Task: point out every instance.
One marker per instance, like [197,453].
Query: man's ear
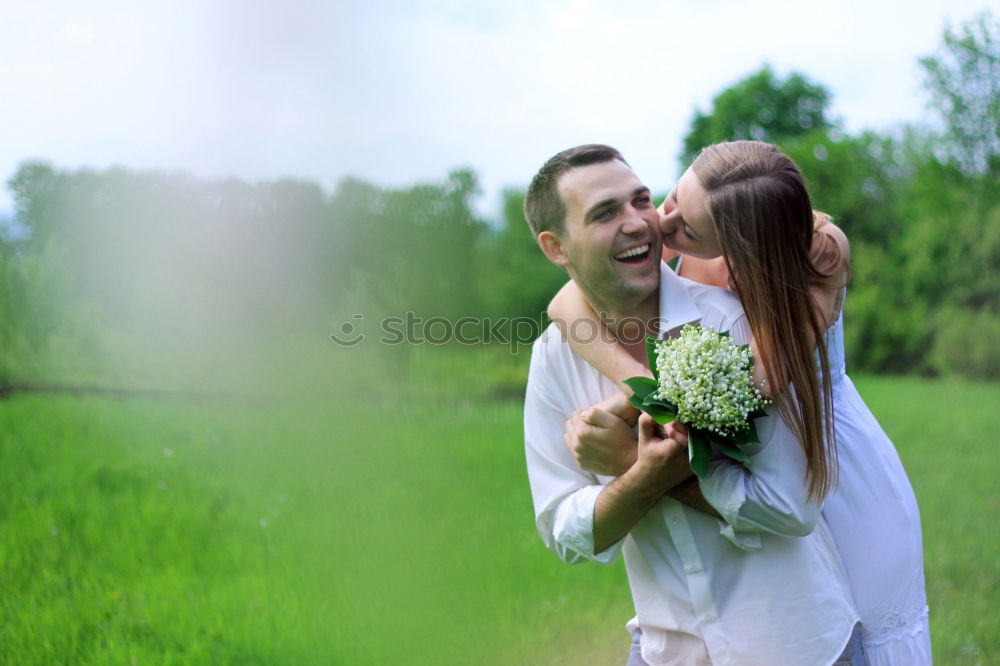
[552,246]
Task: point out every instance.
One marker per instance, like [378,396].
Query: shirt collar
[677,306]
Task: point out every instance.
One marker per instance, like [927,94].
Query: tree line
[158,263]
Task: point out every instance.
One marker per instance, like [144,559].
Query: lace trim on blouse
[898,622]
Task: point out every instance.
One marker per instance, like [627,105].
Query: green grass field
[335,528]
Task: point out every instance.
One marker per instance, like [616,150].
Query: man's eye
[643,201]
[604,214]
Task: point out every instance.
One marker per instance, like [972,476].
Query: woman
[742,216]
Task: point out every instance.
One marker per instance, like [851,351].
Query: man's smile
[634,255]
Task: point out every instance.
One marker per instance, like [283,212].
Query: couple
[811,553]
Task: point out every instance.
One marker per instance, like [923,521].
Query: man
[761,587]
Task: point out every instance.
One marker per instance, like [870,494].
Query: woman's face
[686,222]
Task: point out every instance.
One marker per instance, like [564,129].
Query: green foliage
[886,326]
[515,278]
[700,453]
[921,209]
[966,343]
[730,448]
[138,274]
[409,250]
[159,278]
[651,346]
[851,177]
[963,78]
[762,107]
[641,386]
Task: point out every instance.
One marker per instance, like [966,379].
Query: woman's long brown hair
[762,212]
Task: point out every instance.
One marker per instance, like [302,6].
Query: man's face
[611,242]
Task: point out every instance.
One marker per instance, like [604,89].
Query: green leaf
[732,449]
[659,413]
[699,453]
[723,334]
[641,386]
[636,402]
[651,343]
[651,399]
[747,436]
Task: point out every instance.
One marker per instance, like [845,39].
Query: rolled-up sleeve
[769,494]
[564,496]
[572,528]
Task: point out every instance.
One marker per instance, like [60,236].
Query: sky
[402,91]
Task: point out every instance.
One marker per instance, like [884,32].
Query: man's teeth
[642,249]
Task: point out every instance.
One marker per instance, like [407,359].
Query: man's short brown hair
[543,207]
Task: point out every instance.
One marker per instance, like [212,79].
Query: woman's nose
[668,224]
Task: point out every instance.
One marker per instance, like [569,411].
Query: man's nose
[635,221]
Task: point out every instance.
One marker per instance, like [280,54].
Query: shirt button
[692,568]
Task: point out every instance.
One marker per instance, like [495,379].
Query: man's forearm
[689,493]
[625,501]
[621,505]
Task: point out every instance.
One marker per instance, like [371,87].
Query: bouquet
[704,380]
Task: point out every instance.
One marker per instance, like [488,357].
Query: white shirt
[765,586]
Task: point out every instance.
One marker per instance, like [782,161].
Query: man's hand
[601,442]
[661,464]
[688,492]
[662,460]
[677,431]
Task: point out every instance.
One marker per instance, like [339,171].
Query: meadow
[371,515]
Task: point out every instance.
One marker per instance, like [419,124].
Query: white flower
[709,378]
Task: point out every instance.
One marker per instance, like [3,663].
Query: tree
[516,280]
[853,178]
[963,79]
[410,249]
[952,245]
[762,107]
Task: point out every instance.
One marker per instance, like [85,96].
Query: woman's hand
[619,405]
[600,441]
